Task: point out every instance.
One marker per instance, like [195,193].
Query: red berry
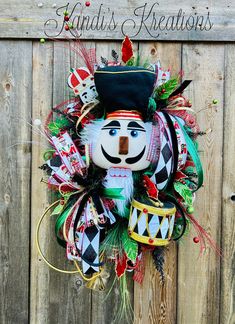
[145,210]
[66,18]
[87,3]
[163,90]
[66,27]
[196,239]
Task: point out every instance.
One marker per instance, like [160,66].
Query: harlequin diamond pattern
[154,224]
[164,227]
[133,219]
[142,224]
[164,166]
[90,249]
[158,226]
[172,221]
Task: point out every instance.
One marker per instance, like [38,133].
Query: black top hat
[124,87]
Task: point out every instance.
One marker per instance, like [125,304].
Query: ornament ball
[196,239]
[87,4]
[37,122]
[190,210]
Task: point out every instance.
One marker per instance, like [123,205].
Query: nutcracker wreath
[124,162]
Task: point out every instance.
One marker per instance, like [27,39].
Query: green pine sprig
[164,91]
[56,126]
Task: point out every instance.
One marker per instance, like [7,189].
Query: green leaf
[184,191]
[57,125]
[168,87]
[58,209]
[129,246]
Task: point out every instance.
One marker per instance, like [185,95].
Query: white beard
[120,178]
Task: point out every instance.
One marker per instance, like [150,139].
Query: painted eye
[113,132]
[134,133]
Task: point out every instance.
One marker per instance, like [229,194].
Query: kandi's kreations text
[143,19]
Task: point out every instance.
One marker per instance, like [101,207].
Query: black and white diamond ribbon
[90,249]
[163,170]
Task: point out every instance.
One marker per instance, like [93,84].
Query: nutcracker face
[87,90]
[122,143]
[83,85]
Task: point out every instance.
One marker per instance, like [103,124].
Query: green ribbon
[113,193]
[194,155]
[59,222]
[152,104]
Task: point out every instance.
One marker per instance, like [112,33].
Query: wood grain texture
[199,276]
[227,307]
[150,20]
[197,289]
[15,157]
[155,302]
[41,103]
[54,296]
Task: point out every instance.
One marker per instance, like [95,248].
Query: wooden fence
[197,290]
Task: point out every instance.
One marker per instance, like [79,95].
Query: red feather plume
[127,49]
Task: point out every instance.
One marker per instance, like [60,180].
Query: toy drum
[150,224]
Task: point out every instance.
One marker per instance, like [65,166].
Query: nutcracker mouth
[116,160]
[136,158]
[112,159]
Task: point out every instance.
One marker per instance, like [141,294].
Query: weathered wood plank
[169,20]
[155,302]
[199,277]
[15,158]
[227,308]
[55,299]
[41,103]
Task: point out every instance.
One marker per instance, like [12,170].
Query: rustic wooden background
[198,290]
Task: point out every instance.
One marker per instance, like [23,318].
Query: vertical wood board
[41,103]
[199,276]
[227,302]
[15,157]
